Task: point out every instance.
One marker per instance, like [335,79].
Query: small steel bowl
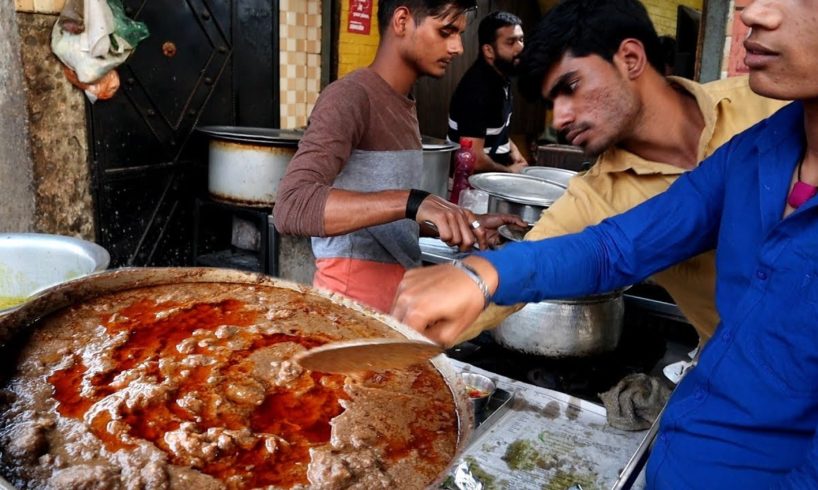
[479,389]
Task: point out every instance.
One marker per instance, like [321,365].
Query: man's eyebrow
[560,84]
[451,26]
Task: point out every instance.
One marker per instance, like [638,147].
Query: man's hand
[442,301]
[491,222]
[518,166]
[456,226]
[518,163]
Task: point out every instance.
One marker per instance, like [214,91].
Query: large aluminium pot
[521,195]
[20,321]
[245,165]
[565,328]
[437,158]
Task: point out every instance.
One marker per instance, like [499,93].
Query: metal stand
[212,228]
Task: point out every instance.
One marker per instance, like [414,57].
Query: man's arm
[622,250]
[581,206]
[483,162]
[518,163]
[347,211]
[308,205]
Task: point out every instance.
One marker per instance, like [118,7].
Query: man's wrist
[413,202]
[475,276]
[485,270]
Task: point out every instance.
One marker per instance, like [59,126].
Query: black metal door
[205,62]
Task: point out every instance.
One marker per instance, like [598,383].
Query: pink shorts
[371,283]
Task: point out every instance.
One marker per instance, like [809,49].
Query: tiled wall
[300,62]
[39,6]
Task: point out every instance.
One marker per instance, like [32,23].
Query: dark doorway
[205,62]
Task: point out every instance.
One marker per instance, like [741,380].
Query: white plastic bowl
[31,262]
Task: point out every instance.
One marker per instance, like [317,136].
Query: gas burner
[646,346]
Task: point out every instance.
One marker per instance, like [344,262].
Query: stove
[647,345]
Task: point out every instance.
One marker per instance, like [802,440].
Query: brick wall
[356,50]
[663,13]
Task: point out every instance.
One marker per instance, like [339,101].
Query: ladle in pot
[367,355]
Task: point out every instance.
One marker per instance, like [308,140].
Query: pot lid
[244,134]
[522,189]
[559,176]
[437,144]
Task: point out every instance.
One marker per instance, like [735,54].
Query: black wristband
[416,197]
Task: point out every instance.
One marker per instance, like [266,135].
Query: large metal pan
[19,321]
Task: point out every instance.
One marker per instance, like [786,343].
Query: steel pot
[437,158]
[516,194]
[19,321]
[245,165]
[565,328]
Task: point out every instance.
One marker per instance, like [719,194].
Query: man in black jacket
[480,109]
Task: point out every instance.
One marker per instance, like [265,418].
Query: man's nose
[563,114]
[762,14]
[456,46]
[518,48]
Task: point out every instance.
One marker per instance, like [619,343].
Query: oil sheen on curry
[191,386]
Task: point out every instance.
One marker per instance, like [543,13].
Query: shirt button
[728,335]
[761,275]
[699,394]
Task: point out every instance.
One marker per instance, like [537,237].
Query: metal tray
[242,134]
[517,188]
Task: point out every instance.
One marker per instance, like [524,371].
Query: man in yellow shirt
[600,64]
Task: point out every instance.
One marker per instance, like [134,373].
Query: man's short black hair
[421,9]
[487,31]
[585,27]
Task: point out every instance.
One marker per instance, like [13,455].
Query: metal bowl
[31,262]
[479,389]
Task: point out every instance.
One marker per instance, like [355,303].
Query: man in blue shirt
[746,416]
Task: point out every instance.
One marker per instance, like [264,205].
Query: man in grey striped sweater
[350,185]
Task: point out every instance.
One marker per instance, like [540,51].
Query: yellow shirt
[620,180]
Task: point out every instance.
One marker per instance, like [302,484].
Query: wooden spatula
[367,355]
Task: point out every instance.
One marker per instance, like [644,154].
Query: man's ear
[400,20]
[488,52]
[632,57]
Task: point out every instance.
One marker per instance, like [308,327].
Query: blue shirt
[746,416]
